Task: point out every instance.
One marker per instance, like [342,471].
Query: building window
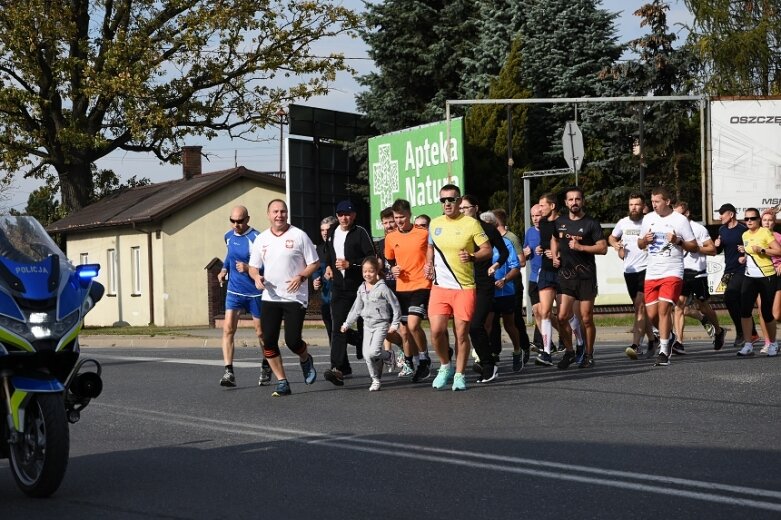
[135,260]
[111,272]
[83,258]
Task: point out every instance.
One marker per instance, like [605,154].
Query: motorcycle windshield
[24,241]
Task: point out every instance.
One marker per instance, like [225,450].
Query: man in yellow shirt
[455,242]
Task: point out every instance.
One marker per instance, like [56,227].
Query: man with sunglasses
[730,237]
[346,247]
[241,294]
[455,243]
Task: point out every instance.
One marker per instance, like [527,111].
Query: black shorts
[635,283]
[582,289]
[547,280]
[504,305]
[413,302]
[694,286]
[534,293]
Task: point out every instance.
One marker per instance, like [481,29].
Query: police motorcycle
[43,383]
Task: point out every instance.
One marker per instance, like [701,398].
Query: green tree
[486,129]
[42,204]
[81,79]
[738,44]
[498,25]
[671,154]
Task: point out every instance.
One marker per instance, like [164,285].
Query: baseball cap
[727,207]
[345,207]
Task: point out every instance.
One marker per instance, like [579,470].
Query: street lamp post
[282,115]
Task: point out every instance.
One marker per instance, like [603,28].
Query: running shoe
[375,386]
[534,347]
[580,351]
[662,360]
[718,339]
[423,371]
[407,370]
[526,356]
[588,362]
[739,341]
[283,388]
[560,346]
[518,361]
[747,350]
[444,376]
[764,348]
[477,367]
[566,360]
[308,368]
[678,348]
[772,349]
[228,379]
[334,376]
[459,382]
[490,373]
[544,359]
[265,373]
[632,351]
[651,350]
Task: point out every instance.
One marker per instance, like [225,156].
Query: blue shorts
[237,302]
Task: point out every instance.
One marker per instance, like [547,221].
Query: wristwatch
[762,250]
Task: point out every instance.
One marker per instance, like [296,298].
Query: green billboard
[413,164]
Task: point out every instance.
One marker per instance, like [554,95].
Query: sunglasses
[751,219]
[449,200]
[239,221]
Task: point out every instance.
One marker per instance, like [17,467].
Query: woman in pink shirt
[769,222]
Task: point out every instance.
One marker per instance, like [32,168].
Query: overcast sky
[265,156]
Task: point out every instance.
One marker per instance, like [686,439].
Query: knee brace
[270,352]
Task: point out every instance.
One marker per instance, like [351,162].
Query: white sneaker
[764,348]
[772,349]
[747,350]
[375,386]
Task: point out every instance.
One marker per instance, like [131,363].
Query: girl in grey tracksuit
[381,313]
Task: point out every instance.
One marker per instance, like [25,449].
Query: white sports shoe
[375,386]
[772,349]
[747,350]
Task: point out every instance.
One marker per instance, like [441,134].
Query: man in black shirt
[484,283]
[547,282]
[580,237]
[730,237]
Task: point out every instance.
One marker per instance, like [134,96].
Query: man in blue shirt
[242,295]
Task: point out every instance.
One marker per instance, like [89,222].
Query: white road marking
[712,491]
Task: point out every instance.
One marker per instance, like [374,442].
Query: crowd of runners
[461,271]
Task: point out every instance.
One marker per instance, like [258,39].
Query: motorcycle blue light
[87,272]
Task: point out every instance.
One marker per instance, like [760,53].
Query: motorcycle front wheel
[39,459]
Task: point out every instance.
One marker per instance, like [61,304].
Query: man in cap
[730,237]
[347,245]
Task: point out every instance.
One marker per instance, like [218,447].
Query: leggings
[765,288]
[271,318]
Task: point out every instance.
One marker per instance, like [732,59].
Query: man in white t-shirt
[623,238]
[289,258]
[666,234]
[695,284]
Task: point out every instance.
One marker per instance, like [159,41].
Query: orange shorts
[459,303]
[667,289]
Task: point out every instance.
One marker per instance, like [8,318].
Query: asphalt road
[698,439]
